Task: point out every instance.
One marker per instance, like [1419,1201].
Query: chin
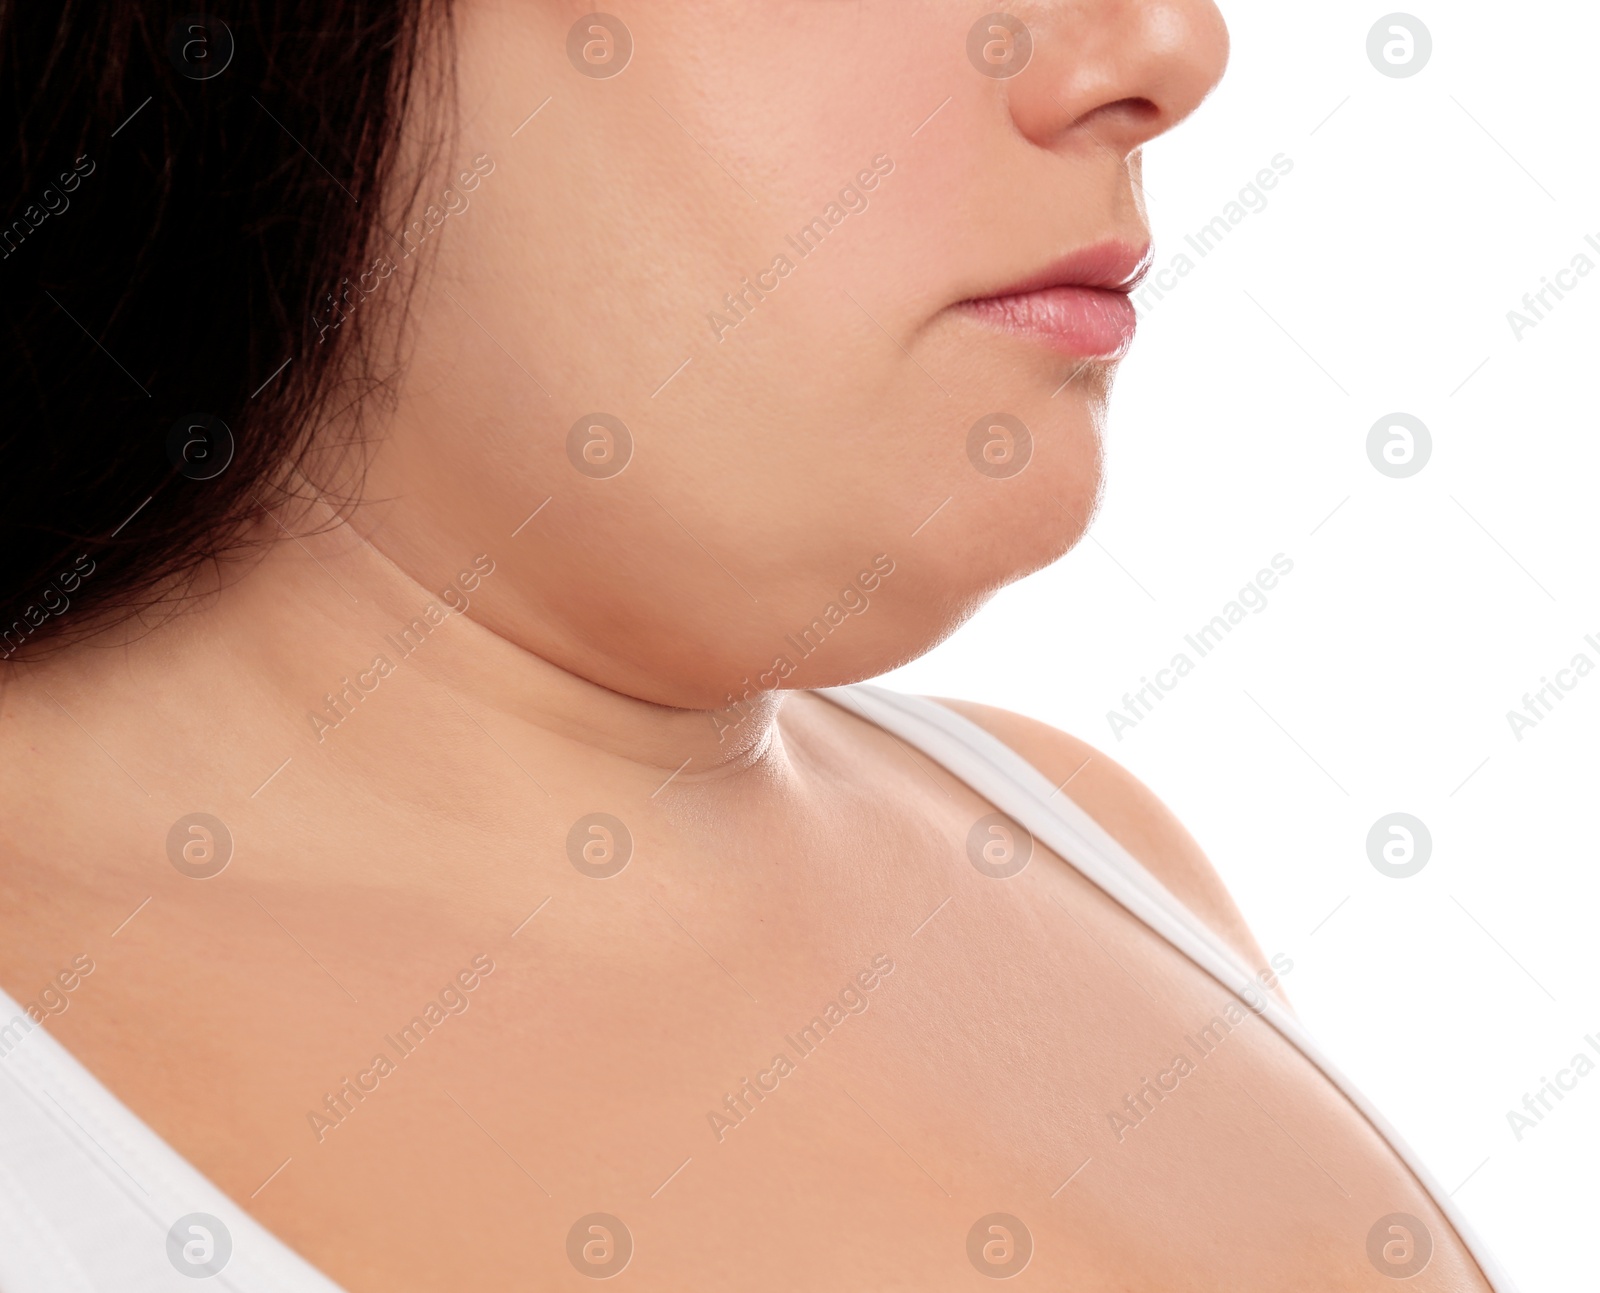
[878,613]
[1006,531]
[930,600]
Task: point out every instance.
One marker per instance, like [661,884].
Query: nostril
[1130,112]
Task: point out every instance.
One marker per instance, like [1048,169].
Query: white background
[1419,610]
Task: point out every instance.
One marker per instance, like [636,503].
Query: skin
[599,665]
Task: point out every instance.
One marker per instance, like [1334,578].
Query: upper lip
[1112,266]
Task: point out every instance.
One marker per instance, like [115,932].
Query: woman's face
[700,319]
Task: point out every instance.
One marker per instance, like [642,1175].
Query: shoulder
[1128,810]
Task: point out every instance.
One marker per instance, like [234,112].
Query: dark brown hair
[185,191]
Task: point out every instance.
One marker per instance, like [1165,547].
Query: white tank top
[93,1201]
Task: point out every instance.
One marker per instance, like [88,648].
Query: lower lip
[1088,322]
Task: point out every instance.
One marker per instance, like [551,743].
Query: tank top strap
[1025,795]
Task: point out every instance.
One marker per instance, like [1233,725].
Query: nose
[1117,72]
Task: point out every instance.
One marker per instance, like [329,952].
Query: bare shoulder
[1128,810]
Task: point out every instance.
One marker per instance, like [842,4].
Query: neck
[325,636]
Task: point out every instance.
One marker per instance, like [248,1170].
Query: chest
[859,1058]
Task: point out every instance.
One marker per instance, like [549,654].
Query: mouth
[1076,306]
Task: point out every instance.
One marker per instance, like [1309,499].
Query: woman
[459,450]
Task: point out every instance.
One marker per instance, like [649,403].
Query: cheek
[1006,526]
[643,203]
[770,459]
